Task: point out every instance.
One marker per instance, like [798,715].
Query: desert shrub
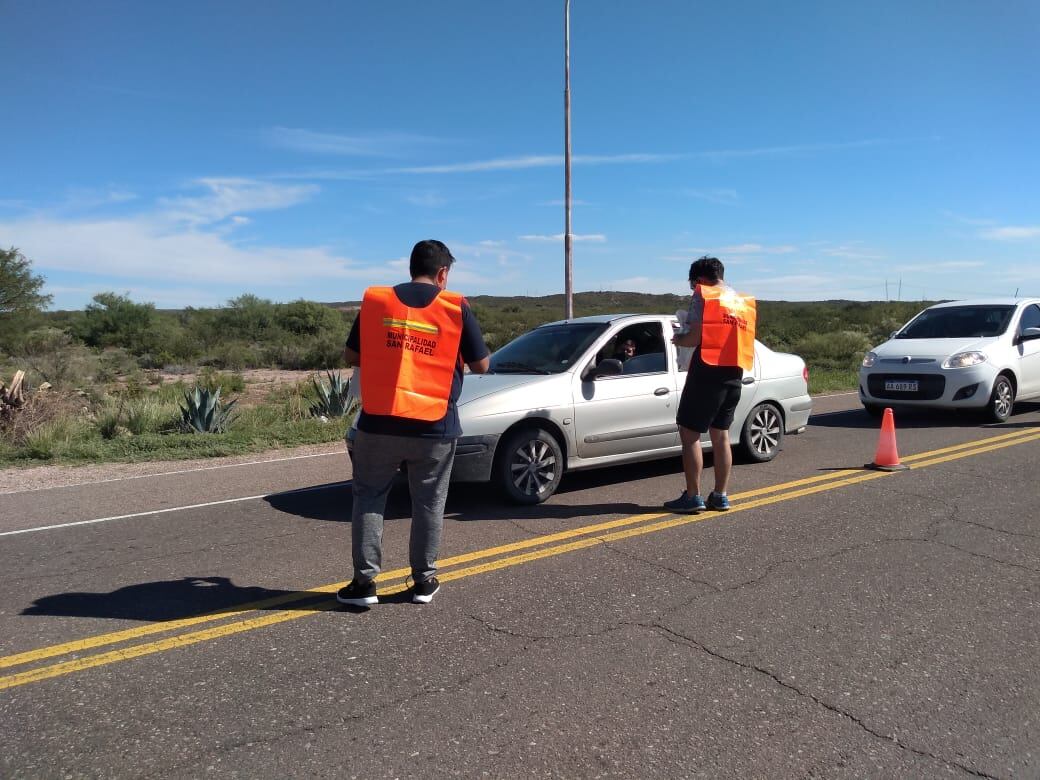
[226,383]
[113,363]
[115,321]
[37,418]
[306,318]
[840,350]
[151,415]
[53,356]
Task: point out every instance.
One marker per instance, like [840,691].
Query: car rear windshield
[958,322]
[550,349]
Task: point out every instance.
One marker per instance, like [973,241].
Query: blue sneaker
[685,504]
[718,501]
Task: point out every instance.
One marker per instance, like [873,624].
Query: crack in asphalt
[672,635]
[1000,530]
[664,567]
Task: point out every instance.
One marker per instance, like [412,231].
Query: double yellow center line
[233,620]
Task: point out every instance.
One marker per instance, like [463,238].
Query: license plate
[901,387]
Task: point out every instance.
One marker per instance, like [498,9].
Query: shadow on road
[482,501]
[923,418]
[170,600]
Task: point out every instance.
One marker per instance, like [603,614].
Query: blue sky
[187,153]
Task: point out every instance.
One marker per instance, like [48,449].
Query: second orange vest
[408,355]
[728,328]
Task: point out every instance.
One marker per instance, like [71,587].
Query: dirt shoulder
[13,480]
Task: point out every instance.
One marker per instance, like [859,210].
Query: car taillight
[805,374]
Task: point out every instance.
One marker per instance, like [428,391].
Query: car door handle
[748,380]
[661,391]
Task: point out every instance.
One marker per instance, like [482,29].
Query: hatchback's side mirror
[1029,334]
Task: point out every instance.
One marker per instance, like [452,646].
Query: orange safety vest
[408,355]
[728,327]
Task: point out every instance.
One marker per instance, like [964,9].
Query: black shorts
[709,399]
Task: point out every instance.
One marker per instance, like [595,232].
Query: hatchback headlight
[964,359]
[869,360]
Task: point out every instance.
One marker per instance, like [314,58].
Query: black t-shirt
[471,348]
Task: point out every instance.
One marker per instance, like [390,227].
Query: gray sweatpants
[376,460]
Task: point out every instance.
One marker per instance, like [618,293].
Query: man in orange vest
[721,328]
[410,342]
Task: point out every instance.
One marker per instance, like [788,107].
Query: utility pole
[899,295]
[568,282]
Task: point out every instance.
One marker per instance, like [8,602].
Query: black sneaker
[422,592]
[358,594]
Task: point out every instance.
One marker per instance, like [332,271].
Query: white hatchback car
[982,355]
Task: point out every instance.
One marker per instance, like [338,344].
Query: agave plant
[333,399]
[204,412]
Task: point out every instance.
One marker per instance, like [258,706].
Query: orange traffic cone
[887,456]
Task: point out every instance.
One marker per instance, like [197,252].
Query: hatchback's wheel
[763,432]
[529,465]
[874,410]
[1001,400]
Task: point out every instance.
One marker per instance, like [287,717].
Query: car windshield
[958,322]
[550,349]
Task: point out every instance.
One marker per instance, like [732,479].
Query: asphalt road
[837,622]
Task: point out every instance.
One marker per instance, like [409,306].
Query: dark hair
[711,268]
[428,257]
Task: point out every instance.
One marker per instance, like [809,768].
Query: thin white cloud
[230,196]
[1011,233]
[851,251]
[757,249]
[82,199]
[945,265]
[597,238]
[795,149]
[147,249]
[525,162]
[383,145]
[426,199]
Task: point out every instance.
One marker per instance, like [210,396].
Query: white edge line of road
[171,473]
[170,509]
[254,463]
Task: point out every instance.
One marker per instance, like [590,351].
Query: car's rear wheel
[529,465]
[763,432]
[1001,400]
[874,410]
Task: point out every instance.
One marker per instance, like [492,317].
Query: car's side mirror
[607,367]
[1029,334]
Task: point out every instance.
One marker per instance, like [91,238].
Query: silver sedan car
[565,396]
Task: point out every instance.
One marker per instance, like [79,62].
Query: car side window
[1030,318]
[639,347]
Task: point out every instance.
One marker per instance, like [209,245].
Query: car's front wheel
[529,465]
[1001,400]
[763,432]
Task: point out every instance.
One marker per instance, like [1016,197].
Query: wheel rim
[1002,399]
[765,430]
[533,467]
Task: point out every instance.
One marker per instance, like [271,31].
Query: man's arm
[472,347]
